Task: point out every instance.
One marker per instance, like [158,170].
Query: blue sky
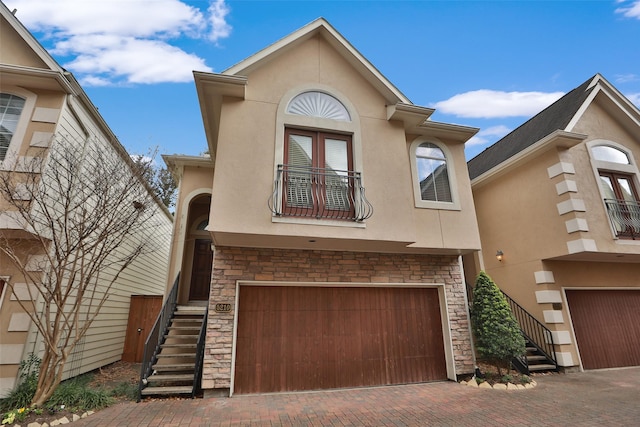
[487,64]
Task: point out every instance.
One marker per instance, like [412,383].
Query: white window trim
[25,118]
[597,165]
[4,290]
[285,120]
[454,205]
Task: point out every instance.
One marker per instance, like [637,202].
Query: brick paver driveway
[594,398]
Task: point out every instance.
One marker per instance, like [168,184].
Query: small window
[10,109]
[431,164]
[202,226]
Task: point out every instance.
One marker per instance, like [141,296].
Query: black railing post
[155,337]
[197,375]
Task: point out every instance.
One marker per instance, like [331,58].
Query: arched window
[433,177]
[318,104]
[431,164]
[10,109]
[617,177]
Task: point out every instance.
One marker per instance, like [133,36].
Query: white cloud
[630,9]
[218,11]
[135,41]
[626,78]
[490,134]
[486,103]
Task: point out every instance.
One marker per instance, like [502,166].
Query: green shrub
[125,389]
[497,334]
[76,393]
[21,395]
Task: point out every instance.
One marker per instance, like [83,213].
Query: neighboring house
[41,104]
[337,213]
[559,197]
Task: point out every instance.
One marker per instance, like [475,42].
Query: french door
[623,204]
[318,177]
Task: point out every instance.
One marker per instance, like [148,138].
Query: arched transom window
[318,104]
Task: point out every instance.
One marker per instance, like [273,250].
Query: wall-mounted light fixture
[499,255]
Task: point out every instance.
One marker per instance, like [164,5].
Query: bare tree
[85,217]
[157,177]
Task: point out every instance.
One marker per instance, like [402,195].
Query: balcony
[319,193]
[625,218]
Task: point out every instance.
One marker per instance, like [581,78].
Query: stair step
[181,345]
[168,377]
[542,367]
[191,309]
[175,355]
[535,357]
[164,367]
[185,328]
[167,390]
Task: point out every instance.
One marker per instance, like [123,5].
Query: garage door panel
[607,327]
[347,337]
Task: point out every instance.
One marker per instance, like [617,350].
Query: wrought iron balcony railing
[625,217]
[319,193]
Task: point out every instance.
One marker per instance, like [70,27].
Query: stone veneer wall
[231,264]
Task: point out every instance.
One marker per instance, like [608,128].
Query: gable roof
[321,27]
[555,117]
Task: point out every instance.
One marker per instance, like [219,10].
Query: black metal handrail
[319,193]
[535,332]
[532,330]
[157,334]
[197,374]
[625,217]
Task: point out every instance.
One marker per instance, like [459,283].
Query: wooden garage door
[309,338]
[607,327]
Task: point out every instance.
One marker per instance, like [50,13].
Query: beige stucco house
[559,198]
[41,105]
[324,231]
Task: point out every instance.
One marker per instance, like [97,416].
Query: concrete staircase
[173,372]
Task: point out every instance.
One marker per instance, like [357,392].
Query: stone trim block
[565,359]
[544,276]
[41,139]
[544,297]
[566,186]
[553,316]
[11,354]
[560,168]
[560,337]
[582,245]
[576,224]
[45,115]
[571,205]
[21,292]
[19,322]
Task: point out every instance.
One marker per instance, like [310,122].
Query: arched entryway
[198,259]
